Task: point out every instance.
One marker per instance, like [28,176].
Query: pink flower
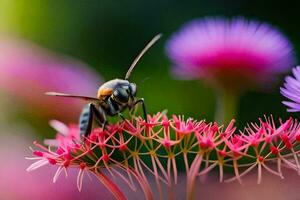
[159,146]
[16,183]
[231,53]
[27,71]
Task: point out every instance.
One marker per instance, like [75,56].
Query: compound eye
[121,95]
[132,88]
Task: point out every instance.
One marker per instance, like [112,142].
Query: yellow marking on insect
[102,93]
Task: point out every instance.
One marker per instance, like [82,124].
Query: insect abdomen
[84,124]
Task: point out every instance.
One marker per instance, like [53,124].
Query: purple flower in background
[291,90]
[231,53]
[28,71]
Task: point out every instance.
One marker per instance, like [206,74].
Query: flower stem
[226,106]
[111,186]
[191,177]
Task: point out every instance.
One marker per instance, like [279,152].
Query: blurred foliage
[109,34]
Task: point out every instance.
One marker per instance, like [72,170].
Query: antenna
[136,60]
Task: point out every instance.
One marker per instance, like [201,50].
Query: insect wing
[86,98]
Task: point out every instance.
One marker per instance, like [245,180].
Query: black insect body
[115,95]
[112,98]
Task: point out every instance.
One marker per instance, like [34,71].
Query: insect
[112,98]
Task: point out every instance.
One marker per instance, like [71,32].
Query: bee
[113,97]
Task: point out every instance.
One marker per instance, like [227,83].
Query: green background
[109,34]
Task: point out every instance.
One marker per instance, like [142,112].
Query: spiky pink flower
[27,71]
[233,53]
[291,90]
[16,183]
[133,149]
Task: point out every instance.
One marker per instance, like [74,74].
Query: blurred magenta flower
[231,54]
[291,90]
[133,148]
[28,71]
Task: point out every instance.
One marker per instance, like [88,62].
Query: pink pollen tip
[123,147]
[149,125]
[298,138]
[209,144]
[236,153]
[274,150]
[223,134]
[215,128]
[60,151]
[119,130]
[190,126]
[165,123]
[105,158]
[203,145]
[82,165]
[254,143]
[38,153]
[260,158]
[222,153]
[288,124]
[93,138]
[288,144]
[67,163]
[268,139]
[167,143]
[284,138]
[68,156]
[51,161]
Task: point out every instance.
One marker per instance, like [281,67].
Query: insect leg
[87,117]
[121,116]
[113,110]
[142,101]
[100,116]
[86,120]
